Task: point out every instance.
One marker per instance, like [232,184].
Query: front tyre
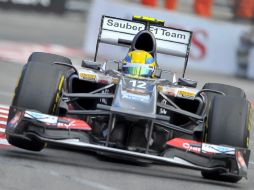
[229,122]
[39,88]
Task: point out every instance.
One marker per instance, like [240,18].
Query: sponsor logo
[130,27]
[122,25]
[240,160]
[41,117]
[104,100]
[215,149]
[186,94]
[87,76]
[15,120]
[162,110]
[159,88]
[170,34]
[115,80]
[192,148]
[186,144]
[104,79]
[136,97]
[68,123]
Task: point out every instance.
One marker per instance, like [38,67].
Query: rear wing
[170,41]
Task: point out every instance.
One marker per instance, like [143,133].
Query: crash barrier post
[151,3]
[170,4]
[203,7]
[244,9]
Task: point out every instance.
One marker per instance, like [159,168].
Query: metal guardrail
[222,9]
[56,6]
[78,5]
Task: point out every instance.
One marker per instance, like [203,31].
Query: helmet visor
[138,69]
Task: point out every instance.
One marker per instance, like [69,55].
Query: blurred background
[221,51]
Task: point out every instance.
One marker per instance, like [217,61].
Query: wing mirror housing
[91,64]
[164,74]
[187,82]
[113,65]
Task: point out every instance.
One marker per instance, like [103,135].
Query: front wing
[73,133]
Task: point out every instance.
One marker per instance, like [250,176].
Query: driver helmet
[139,63]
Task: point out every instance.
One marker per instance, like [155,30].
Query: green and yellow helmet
[139,63]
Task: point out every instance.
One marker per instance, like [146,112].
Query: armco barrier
[19,52]
[56,6]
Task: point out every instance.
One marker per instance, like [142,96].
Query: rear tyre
[229,122]
[39,89]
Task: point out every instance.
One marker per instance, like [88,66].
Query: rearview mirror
[91,64]
[165,74]
[113,65]
[187,82]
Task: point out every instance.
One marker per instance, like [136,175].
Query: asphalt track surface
[65,169]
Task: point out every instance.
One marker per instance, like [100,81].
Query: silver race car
[160,119]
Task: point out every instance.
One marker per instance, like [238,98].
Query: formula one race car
[158,118]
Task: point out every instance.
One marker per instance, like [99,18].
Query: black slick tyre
[226,89]
[39,87]
[229,122]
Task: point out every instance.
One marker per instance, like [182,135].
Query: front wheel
[229,122]
[39,88]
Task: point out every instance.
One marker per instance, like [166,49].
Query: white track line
[2,130]
[3,116]
[4,106]
[87,183]
[4,111]
[4,142]
[3,122]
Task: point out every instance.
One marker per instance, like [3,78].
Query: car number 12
[138,84]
